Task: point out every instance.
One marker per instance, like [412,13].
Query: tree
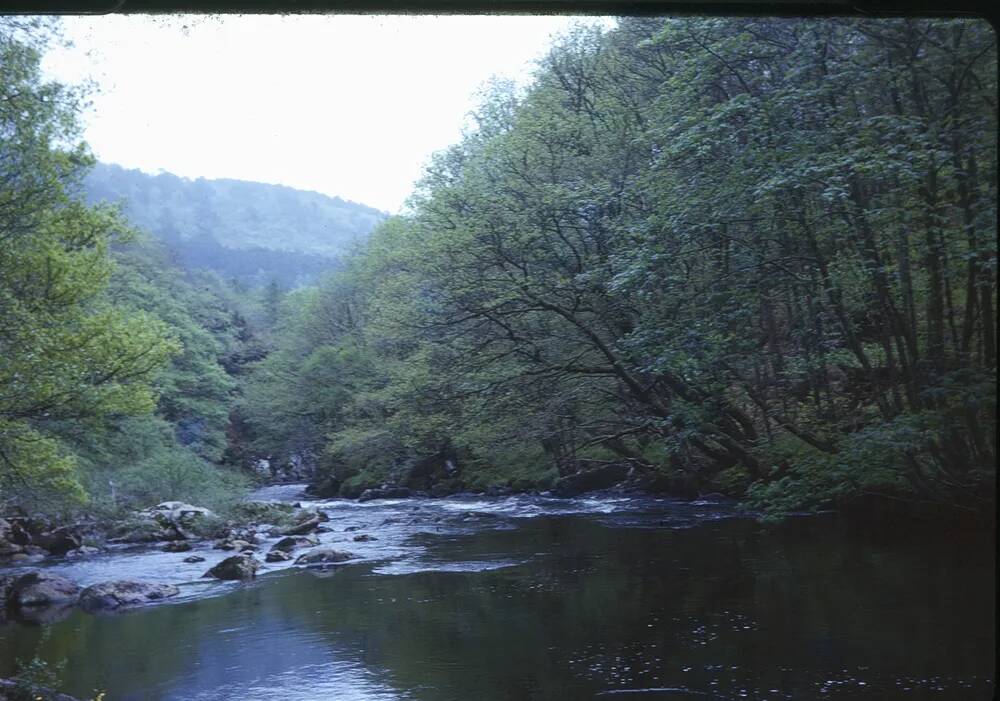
[66,354]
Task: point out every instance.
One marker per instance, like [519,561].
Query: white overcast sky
[344,105]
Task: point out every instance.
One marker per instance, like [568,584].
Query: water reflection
[497,601]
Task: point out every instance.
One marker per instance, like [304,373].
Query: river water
[604,597]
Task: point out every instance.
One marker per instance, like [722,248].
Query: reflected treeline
[727,607]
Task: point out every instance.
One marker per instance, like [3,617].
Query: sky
[351,106]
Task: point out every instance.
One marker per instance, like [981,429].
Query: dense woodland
[753,256]
[248,232]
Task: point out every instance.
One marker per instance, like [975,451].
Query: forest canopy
[748,255]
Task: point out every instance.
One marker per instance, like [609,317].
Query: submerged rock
[112,595]
[323,555]
[177,546]
[235,567]
[194,558]
[364,538]
[41,589]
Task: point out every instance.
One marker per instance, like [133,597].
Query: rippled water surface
[604,597]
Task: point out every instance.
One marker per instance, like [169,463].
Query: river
[604,597]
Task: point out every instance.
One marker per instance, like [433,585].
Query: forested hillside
[750,255]
[252,232]
[753,256]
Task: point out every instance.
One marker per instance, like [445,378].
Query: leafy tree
[66,353]
[754,254]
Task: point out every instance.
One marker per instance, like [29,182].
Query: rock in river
[235,567]
[290,543]
[41,589]
[112,595]
[59,541]
[278,556]
[323,555]
[301,528]
[194,558]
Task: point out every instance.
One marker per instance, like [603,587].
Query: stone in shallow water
[235,567]
[83,550]
[112,595]
[292,542]
[194,558]
[307,526]
[323,555]
[41,589]
[364,538]
[278,556]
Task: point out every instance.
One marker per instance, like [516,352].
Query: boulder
[290,543]
[323,555]
[278,556]
[176,511]
[7,548]
[309,513]
[17,531]
[175,517]
[301,528]
[83,550]
[142,531]
[59,541]
[194,558]
[41,589]
[112,595]
[19,558]
[177,546]
[235,567]
[364,538]
[231,544]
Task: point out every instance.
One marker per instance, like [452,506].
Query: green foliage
[68,354]
[749,253]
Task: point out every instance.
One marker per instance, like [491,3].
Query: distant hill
[250,231]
